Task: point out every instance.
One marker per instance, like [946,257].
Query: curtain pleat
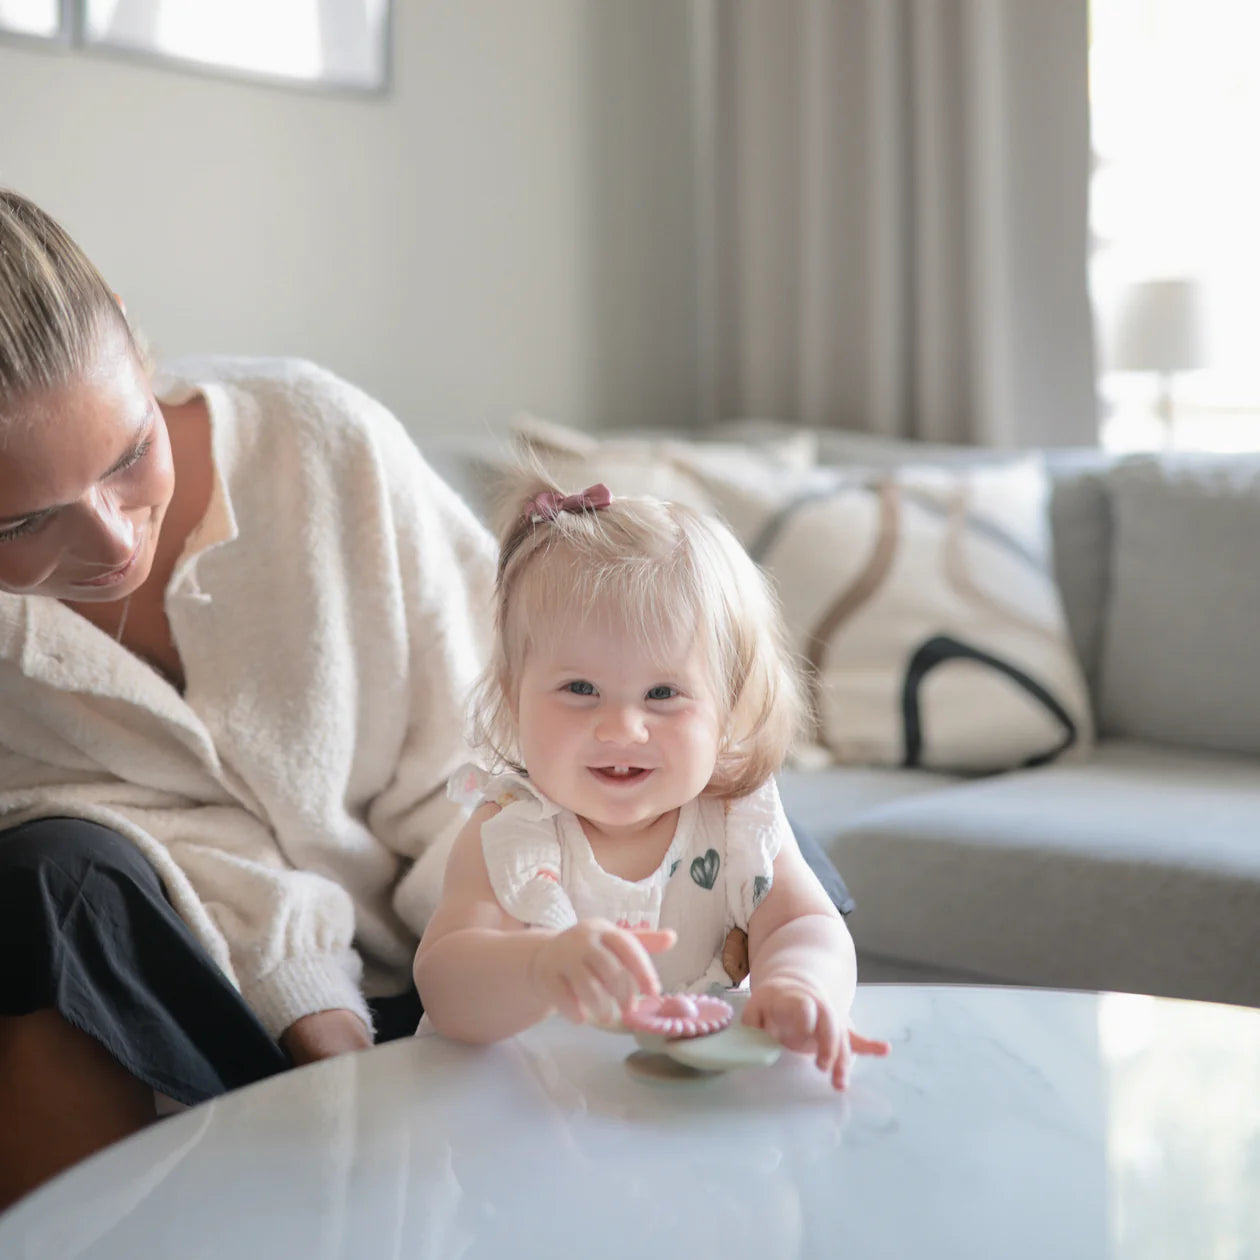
[891,217]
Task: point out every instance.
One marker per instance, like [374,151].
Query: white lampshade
[1159,326]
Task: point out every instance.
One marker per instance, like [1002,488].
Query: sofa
[1132,864]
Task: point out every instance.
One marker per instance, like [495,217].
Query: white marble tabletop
[1006,1123]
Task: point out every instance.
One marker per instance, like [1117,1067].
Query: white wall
[511,228]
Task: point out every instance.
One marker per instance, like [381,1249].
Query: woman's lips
[114,575]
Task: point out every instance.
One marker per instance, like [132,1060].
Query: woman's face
[85,481]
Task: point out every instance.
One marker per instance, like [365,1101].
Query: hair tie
[548,505]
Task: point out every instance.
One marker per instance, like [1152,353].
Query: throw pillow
[1079,511]
[923,602]
[656,464]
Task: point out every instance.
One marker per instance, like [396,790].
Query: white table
[1007,1123]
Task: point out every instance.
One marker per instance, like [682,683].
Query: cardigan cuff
[303,985]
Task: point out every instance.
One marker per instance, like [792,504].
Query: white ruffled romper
[718,867]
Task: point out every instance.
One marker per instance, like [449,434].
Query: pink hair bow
[548,505]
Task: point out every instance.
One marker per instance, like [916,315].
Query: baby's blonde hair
[659,568]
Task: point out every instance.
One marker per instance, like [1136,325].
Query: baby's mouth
[619,774]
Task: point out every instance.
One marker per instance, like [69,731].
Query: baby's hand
[592,971]
[800,1018]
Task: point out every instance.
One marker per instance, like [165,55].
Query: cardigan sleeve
[447,568]
[284,937]
[412,551]
[290,933]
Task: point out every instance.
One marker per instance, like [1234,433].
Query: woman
[238,618]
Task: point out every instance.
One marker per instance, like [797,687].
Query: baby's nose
[622,724]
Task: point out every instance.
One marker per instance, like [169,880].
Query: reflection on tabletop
[1005,1122]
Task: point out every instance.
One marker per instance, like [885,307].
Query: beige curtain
[892,216]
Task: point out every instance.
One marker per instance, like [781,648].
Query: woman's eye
[580,687]
[29,526]
[136,456]
[662,692]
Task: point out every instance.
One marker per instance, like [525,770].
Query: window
[340,44]
[40,18]
[337,43]
[1174,208]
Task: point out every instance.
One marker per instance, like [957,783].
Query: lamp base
[1164,409]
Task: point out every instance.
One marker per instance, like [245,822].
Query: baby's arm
[483,975]
[804,969]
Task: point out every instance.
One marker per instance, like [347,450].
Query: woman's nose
[112,535]
[621,724]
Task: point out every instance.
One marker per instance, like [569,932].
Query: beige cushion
[923,601]
[921,597]
[655,464]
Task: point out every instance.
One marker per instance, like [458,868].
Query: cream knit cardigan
[330,612]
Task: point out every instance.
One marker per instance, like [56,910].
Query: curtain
[892,216]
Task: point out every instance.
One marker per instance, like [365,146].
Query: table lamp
[1159,327]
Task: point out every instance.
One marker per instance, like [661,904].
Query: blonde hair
[55,306]
[658,567]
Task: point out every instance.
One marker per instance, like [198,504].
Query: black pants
[86,929]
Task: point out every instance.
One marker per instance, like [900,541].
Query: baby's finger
[654,940]
[827,1037]
[793,1019]
[630,952]
[865,1045]
[754,1013]
[614,976]
[604,1009]
[591,996]
[844,1065]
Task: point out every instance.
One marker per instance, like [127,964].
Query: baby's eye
[661,692]
[580,687]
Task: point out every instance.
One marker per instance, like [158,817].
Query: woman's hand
[800,1018]
[592,971]
[323,1035]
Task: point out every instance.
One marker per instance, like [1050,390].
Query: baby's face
[617,731]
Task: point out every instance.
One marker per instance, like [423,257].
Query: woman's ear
[122,306]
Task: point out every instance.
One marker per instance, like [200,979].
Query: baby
[638,704]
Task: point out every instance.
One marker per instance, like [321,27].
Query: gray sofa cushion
[1181,660]
[1138,870]
[1081,527]
[824,802]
